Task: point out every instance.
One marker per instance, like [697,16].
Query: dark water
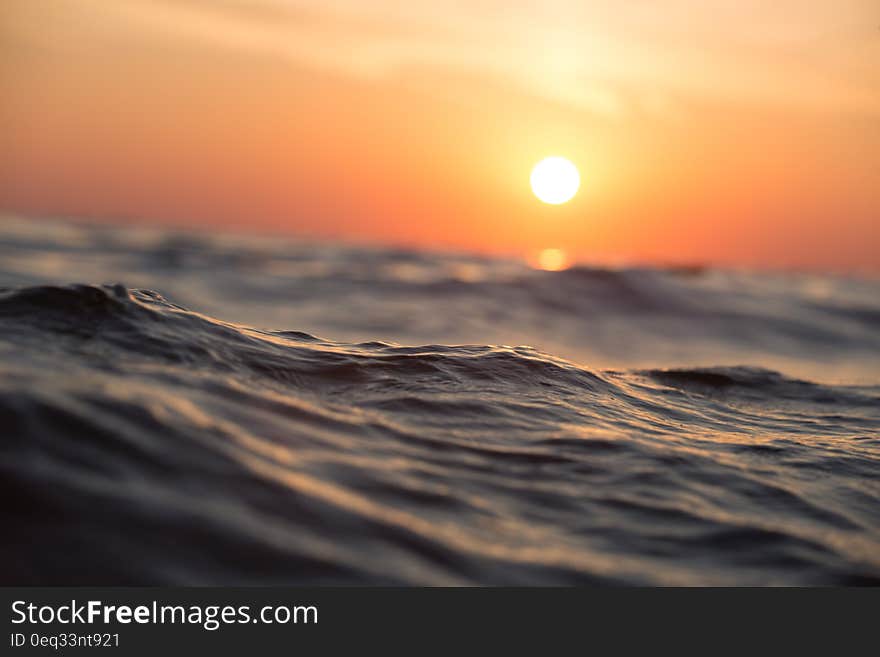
[665,427]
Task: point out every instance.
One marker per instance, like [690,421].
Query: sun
[555,180]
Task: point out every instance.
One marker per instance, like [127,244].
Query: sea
[207,408]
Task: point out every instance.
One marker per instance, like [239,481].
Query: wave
[148,444]
[816,327]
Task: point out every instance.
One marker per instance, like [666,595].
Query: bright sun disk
[555,180]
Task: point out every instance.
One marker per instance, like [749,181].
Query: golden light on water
[552,260]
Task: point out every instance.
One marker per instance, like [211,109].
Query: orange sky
[740,133]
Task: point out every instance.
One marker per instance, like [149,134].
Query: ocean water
[212,409]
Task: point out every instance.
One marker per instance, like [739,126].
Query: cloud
[607,58]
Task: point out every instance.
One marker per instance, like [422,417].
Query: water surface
[185,409]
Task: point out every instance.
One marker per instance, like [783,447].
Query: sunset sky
[740,132]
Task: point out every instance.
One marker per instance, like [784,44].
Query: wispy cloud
[604,57]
